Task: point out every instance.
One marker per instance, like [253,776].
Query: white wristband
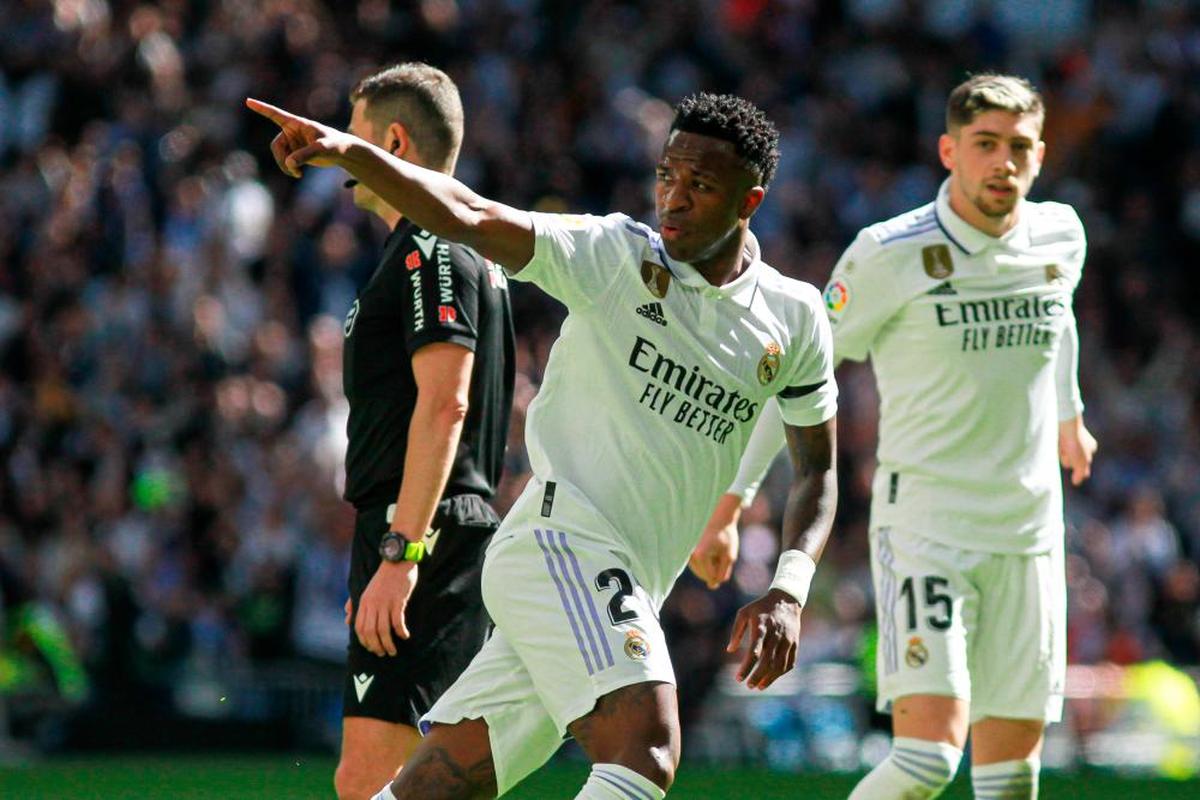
[794,574]
[385,793]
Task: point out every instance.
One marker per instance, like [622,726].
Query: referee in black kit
[428,372]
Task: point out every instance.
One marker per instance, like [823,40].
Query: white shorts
[989,628]
[572,625]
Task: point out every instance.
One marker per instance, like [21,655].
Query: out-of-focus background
[173,549]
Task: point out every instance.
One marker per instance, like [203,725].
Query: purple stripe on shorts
[562,596]
[624,787]
[575,589]
[562,538]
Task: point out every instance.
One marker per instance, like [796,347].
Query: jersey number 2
[620,577]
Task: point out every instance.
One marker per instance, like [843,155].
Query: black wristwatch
[395,548]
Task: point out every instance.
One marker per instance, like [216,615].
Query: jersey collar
[969,239]
[740,290]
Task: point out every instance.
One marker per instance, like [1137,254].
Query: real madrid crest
[768,365]
[917,654]
[657,278]
[636,646]
[938,263]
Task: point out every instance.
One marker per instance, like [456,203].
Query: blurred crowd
[171,417]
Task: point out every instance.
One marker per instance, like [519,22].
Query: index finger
[735,638]
[273,113]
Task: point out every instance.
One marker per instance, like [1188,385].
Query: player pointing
[674,341]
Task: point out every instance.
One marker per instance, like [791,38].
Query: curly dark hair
[733,119]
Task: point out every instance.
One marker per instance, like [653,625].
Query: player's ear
[397,141]
[751,200]
[947,145]
[1039,154]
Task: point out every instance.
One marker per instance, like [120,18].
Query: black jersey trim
[792,392]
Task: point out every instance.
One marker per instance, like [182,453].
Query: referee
[428,372]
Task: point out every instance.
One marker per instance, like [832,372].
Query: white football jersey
[963,331]
[655,383]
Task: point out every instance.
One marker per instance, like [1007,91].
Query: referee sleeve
[440,296]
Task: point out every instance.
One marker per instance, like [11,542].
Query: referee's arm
[443,376]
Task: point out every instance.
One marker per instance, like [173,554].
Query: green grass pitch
[267,776]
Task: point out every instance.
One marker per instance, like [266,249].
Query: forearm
[444,206]
[808,515]
[1066,374]
[766,440]
[727,511]
[812,499]
[433,434]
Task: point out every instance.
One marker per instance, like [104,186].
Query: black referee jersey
[425,290]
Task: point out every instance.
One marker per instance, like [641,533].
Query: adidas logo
[944,288]
[653,312]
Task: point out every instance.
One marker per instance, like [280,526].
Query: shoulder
[920,223]
[1054,223]
[615,224]
[882,247]
[790,297]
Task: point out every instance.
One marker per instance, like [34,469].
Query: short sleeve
[809,396]
[859,298]
[440,296]
[577,258]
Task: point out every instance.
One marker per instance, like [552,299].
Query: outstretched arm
[772,622]
[436,202]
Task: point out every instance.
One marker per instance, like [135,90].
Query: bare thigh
[636,726]
[934,718]
[372,752]
[994,740]
[452,762]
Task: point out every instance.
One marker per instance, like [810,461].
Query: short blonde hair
[425,100]
[992,92]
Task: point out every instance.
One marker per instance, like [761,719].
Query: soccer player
[964,308]
[674,340]
[428,372]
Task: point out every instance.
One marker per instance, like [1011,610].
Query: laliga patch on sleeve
[837,296]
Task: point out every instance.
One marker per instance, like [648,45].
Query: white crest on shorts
[361,684]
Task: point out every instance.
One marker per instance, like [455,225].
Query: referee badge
[917,654]
[768,365]
[938,264]
[657,279]
[636,647]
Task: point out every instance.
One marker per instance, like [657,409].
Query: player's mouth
[670,232]
[1001,190]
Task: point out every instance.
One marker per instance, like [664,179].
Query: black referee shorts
[445,614]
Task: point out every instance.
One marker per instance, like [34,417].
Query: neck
[727,260]
[970,214]
[390,216]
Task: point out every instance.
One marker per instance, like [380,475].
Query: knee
[930,763]
[654,754]
[352,784]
